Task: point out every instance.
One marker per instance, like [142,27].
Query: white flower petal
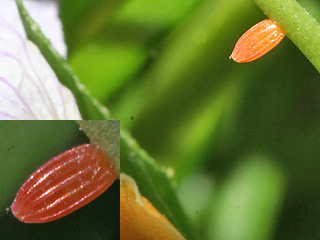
[10,14]
[45,13]
[29,89]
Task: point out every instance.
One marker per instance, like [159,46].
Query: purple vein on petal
[9,55]
[10,27]
[44,95]
[17,105]
[17,93]
[28,57]
[52,107]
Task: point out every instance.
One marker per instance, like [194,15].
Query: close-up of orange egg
[257,41]
[57,181]
[64,184]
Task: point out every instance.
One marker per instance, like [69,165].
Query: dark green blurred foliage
[117,36]
[25,146]
[229,131]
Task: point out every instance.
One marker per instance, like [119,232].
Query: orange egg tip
[234,58]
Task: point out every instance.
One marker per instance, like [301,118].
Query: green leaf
[104,66]
[89,107]
[246,205]
[83,19]
[153,182]
[119,37]
[302,29]
[189,142]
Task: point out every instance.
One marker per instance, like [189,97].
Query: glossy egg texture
[257,41]
[64,184]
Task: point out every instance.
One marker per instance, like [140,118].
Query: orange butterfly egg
[64,184]
[257,41]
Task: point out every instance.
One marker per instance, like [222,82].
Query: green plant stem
[302,29]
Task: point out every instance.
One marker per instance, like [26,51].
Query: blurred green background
[25,146]
[242,139]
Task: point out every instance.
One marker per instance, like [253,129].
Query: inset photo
[60,179]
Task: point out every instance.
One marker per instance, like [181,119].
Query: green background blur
[242,139]
[25,146]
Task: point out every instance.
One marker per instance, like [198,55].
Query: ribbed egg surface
[64,184]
